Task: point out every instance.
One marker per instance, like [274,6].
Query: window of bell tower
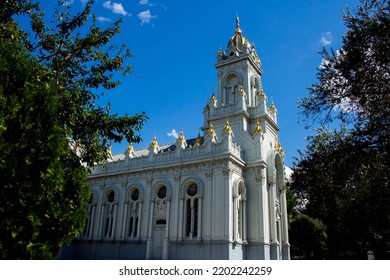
[231,89]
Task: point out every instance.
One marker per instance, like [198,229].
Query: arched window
[239,217]
[89,223]
[239,214]
[192,209]
[108,214]
[132,211]
[255,90]
[133,215]
[230,88]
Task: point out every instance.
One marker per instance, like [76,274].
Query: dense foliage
[342,178]
[52,128]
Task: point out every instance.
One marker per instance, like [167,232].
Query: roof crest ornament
[211,132]
[258,129]
[238,29]
[182,139]
[130,150]
[154,145]
[227,128]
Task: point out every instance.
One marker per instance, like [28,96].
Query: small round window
[135,195]
[162,192]
[111,196]
[192,189]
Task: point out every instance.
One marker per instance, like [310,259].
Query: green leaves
[342,176]
[49,88]
[83,65]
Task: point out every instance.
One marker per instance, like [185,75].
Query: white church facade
[219,196]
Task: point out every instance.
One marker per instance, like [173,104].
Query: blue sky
[174,46]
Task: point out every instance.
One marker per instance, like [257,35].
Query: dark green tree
[307,237]
[51,77]
[337,182]
[342,176]
[43,185]
[353,82]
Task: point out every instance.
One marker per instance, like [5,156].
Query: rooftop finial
[227,127]
[238,29]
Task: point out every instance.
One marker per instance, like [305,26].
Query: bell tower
[239,71]
[240,95]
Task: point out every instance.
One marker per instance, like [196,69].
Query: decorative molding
[187,182]
[130,189]
[162,183]
[116,191]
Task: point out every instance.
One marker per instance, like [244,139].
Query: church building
[219,196]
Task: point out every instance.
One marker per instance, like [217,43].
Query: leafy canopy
[52,126]
[342,176]
[83,63]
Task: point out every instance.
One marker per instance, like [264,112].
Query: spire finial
[181,137]
[258,128]
[272,107]
[238,29]
[227,127]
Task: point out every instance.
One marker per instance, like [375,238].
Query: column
[235,218]
[114,221]
[229,210]
[92,221]
[124,221]
[285,241]
[244,222]
[166,239]
[139,221]
[100,235]
[192,217]
[180,228]
[199,218]
[274,242]
[208,192]
[150,228]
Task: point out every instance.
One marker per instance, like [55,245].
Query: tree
[43,186]
[353,82]
[346,188]
[343,174]
[307,237]
[52,128]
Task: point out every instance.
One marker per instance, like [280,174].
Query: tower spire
[238,29]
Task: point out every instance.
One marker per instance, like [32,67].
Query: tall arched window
[89,223]
[134,213]
[232,83]
[108,214]
[239,215]
[192,208]
[230,86]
